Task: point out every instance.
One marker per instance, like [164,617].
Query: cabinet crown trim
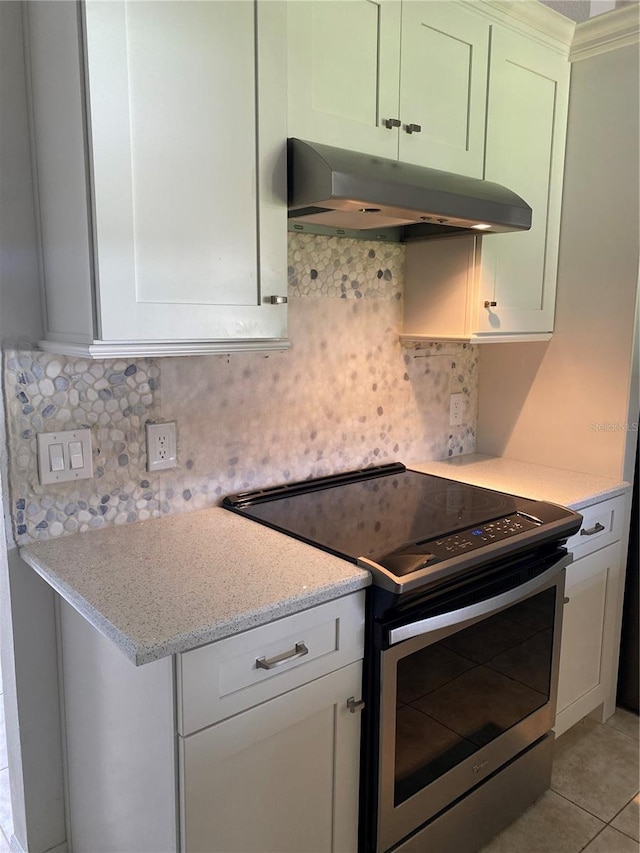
[610,31]
[133,349]
[532,18]
[422,341]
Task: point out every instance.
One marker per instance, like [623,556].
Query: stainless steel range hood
[332,190]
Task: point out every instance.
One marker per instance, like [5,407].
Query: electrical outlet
[456,409]
[161,446]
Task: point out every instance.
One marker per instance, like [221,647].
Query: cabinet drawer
[601,526]
[224,678]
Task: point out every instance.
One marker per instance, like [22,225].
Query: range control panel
[427,553]
[477,537]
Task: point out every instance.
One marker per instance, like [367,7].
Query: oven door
[466,685]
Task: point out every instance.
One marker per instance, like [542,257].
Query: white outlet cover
[161,446]
[456,409]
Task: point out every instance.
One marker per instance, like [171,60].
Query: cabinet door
[587,633]
[190,218]
[526,128]
[279,778]
[343,73]
[443,82]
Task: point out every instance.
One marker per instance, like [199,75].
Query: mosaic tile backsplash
[346,395]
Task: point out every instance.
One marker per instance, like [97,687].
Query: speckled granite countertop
[171,584]
[539,482]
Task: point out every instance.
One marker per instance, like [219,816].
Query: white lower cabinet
[245,744]
[591,623]
[281,777]
[268,746]
[581,668]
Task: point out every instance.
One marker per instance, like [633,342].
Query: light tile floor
[594,801]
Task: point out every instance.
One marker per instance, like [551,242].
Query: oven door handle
[483,608]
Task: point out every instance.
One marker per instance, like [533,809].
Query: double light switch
[64,456]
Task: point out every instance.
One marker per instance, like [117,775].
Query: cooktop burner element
[457,497]
[408,528]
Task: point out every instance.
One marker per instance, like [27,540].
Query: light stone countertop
[172,584]
[169,585]
[568,488]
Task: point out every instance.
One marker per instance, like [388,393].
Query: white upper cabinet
[400,80]
[526,130]
[502,287]
[344,70]
[160,134]
[443,82]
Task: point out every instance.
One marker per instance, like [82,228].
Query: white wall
[27,630]
[565,403]
[20,316]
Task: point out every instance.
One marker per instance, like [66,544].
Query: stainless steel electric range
[462,644]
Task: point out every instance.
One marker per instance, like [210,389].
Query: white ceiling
[582,10]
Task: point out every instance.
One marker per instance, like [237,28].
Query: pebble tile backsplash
[346,395]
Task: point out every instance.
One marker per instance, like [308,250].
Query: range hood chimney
[346,192]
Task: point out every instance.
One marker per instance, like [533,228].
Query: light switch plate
[64,438]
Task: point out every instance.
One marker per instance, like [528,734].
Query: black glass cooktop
[386,511]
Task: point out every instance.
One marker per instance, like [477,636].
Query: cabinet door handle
[413,128]
[597,527]
[390,123]
[354,704]
[490,304]
[277,300]
[299,651]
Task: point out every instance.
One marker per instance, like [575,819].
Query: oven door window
[457,695]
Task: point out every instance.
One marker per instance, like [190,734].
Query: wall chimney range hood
[335,191]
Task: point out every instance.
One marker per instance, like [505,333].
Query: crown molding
[550,27]
[603,33]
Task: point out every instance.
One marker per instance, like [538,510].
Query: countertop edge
[218,630]
[598,497]
[84,608]
[252,619]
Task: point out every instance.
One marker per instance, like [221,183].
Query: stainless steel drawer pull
[299,651]
[354,704]
[277,300]
[597,528]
